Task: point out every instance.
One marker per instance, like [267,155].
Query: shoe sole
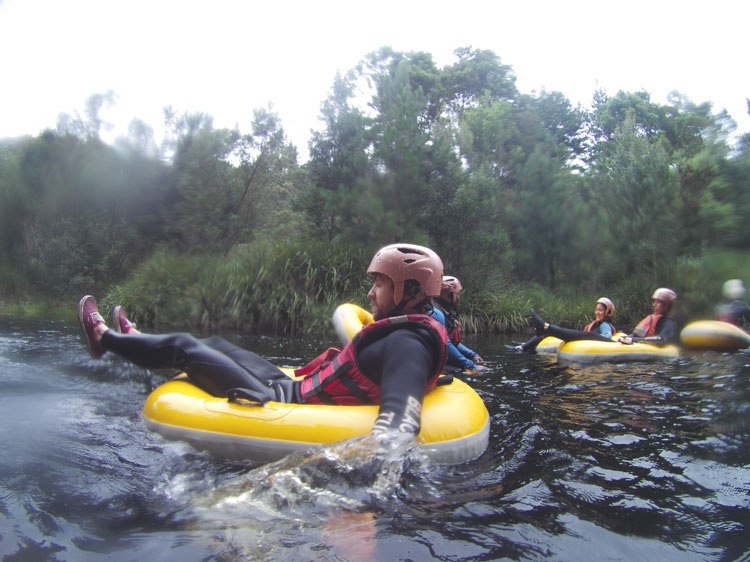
[116,319]
[89,344]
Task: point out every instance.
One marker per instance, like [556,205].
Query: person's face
[381,295]
[600,312]
[660,307]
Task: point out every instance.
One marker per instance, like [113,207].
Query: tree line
[508,188]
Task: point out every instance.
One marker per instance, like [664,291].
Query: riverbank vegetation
[529,200]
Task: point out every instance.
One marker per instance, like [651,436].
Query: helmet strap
[411,303]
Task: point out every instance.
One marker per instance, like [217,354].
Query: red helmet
[609,306]
[450,288]
[402,262]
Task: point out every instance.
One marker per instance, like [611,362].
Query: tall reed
[287,288]
[293,287]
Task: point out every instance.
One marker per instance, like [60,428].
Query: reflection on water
[625,462]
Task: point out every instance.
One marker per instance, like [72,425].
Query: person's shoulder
[410,334]
[437,314]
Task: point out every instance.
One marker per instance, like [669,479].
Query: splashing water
[355,474]
[334,491]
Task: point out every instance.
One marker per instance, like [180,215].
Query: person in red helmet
[600,329]
[393,362]
[446,311]
[658,328]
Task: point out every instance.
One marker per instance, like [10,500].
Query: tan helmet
[666,295]
[733,289]
[402,262]
[450,288]
[609,306]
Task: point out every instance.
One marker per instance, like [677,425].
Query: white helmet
[733,289]
[609,306]
[666,295]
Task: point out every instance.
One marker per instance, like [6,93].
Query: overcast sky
[226,58]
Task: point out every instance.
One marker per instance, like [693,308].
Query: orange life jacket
[596,323]
[647,327]
[334,376]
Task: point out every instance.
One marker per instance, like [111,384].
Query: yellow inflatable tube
[714,335]
[551,344]
[593,351]
[348,319]
[455,422]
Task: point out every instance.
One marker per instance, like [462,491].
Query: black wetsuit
[665,330]
[566,334]
[400,363]
[735,311]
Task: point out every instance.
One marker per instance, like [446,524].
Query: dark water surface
[609,462]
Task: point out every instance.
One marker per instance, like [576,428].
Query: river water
[609,462]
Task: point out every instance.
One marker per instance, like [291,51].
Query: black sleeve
[401,364]
[666,333]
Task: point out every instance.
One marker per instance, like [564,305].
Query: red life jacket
[596,324]
[648,325]
[728,318]
[725,314]
[455,334]
[452,323]
[334,376]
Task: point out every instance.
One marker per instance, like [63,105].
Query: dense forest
[529,201]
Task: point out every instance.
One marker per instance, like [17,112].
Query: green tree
[725,209]
[547,216]
[640,197]
[694,142]
[524,149]
[339,166]
[269,179]
[698,140]
[477,74]
[201,195]
[90,126]
[15,199]
[402,149]
[80,232]
[563,122]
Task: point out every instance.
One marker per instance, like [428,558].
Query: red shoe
[120,322]
[88,318]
